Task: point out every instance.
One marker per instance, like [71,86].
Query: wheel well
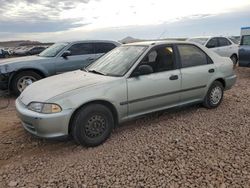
[22,70]
[105,103]
[234,55]
[221,81]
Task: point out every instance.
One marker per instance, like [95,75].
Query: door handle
[173,77]
[211,70]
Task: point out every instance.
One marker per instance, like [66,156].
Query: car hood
[21,59]
[51,87]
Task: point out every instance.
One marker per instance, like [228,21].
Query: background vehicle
[17,73]
[129,81]
[244,51]
[35,50]
[4,53]
[223,46]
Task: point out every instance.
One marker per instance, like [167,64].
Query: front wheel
[92,125]
[23,79]
[214,95]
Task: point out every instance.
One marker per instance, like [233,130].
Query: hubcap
[95,126]
[25,81]
[216,95]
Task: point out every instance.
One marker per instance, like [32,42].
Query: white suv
[223,46]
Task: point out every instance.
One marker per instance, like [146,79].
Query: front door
[82,54]
[157,90]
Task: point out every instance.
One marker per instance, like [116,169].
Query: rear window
[245,40]
[101,47]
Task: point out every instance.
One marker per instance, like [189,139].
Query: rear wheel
[92,125]
[23,79]
[214,95]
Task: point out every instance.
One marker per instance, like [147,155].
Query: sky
[66,20]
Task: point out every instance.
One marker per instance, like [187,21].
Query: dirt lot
[190,147]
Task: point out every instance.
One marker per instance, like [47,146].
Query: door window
[103,47]
[212,43]
[81,49]
[245,40]
[191,55]
[224,42]
[160,59]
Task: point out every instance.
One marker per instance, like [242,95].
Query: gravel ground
[188,147]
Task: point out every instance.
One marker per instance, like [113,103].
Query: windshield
[53,50]
[201,41]
[118,61]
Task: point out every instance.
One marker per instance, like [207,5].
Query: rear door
[197,70]
[225,47]
[156,90]
[82,54]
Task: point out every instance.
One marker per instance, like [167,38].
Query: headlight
[46,108]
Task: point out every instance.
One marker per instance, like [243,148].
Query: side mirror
[143,70]
[66,54]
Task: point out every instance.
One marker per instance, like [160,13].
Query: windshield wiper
[85,69]
[96,72]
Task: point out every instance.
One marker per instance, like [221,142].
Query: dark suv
[17,73]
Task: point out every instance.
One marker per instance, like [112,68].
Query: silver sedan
[130,81]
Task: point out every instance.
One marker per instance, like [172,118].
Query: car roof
[155,43]
[94,41]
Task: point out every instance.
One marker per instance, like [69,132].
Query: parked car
[20,51]
[224,46]
[244,51]
[130,81]
[35,50]
[4,53]
[17,73]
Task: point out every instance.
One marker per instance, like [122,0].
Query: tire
[92,125]
[214,95]
[21,80]
[234,59]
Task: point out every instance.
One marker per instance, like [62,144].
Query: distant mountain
[129,40]
[21,43]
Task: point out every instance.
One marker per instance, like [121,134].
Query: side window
[212,43]
[81,49]
[101,47]
[160,59]
[192,56]
[245,40]
[224,42]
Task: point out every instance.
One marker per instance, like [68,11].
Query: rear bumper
[230,81]
[44,125]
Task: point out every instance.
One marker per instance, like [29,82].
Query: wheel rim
[216,95]
[95,126]
[25,81]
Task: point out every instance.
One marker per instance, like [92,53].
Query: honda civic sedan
[129,81]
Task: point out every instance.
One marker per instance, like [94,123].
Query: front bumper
[230,81]
[44,125]
[3,82]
